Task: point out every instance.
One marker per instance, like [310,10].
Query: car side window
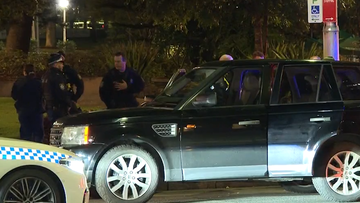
[348,81]
[239,86]
[301,85]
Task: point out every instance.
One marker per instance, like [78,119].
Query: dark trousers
[31,127]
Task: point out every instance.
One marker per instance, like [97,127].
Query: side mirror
[205,100]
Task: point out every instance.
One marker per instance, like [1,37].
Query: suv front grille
[55,136]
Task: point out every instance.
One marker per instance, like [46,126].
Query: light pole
[64,4]
[35,33]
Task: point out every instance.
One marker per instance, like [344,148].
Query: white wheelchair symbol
[315,9]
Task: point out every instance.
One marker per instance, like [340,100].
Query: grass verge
[9,124]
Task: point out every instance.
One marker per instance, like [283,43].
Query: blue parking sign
[315,9]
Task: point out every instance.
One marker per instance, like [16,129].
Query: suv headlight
[75,164]
[75,135]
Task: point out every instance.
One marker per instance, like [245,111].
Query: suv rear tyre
[338,177]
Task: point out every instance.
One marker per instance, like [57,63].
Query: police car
[32,172]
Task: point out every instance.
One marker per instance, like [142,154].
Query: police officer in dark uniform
[73,78]
[27,93]
[57,99]
[119,85]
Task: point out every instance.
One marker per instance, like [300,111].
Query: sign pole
[330,29]
[331,40]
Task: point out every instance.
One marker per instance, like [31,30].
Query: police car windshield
[184,85]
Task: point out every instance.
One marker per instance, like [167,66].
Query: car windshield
[182,87]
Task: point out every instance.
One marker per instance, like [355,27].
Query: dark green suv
[278,120]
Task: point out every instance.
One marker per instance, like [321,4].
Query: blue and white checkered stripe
[15,153]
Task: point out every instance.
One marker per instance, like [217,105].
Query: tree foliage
[205,29]
[13,10]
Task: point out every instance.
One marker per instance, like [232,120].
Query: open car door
[178,74]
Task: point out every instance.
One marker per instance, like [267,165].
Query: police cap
[54,58]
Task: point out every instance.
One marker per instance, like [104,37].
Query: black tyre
[30,185]
[126,174]
[338,175]
[299,186]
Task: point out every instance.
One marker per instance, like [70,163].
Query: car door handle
[253,122]
[320,119]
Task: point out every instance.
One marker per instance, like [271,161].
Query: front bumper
[86,198]
[90,155]
[75,186]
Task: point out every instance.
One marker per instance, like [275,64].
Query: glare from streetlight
[63,3]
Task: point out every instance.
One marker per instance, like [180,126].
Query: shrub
[68,46]
[140,55]
[93,63]
[2,45]
[33,45]
[11,63]
[144,57]
[87,63]
[39,60]
[294,50]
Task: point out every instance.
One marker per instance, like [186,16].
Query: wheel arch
[330,143]
[43,169]
[147,145]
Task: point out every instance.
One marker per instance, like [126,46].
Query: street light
[64,4]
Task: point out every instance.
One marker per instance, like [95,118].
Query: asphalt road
[232,195]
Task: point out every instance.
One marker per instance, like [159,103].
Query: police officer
[73,78]
[226,57]
[57,99]
[27,93]
[119,85]
[258,55]
[315,58]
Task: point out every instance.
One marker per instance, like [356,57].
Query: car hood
[10,142]
[114,115]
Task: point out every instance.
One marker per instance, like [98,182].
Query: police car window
[348,81]
[300,85]
[239,86]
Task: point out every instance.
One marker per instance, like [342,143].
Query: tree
[208,28]
[199,26]
[50,19]
[17,16]
[349,17]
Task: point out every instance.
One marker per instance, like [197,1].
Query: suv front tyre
[126,173]
[338,177]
